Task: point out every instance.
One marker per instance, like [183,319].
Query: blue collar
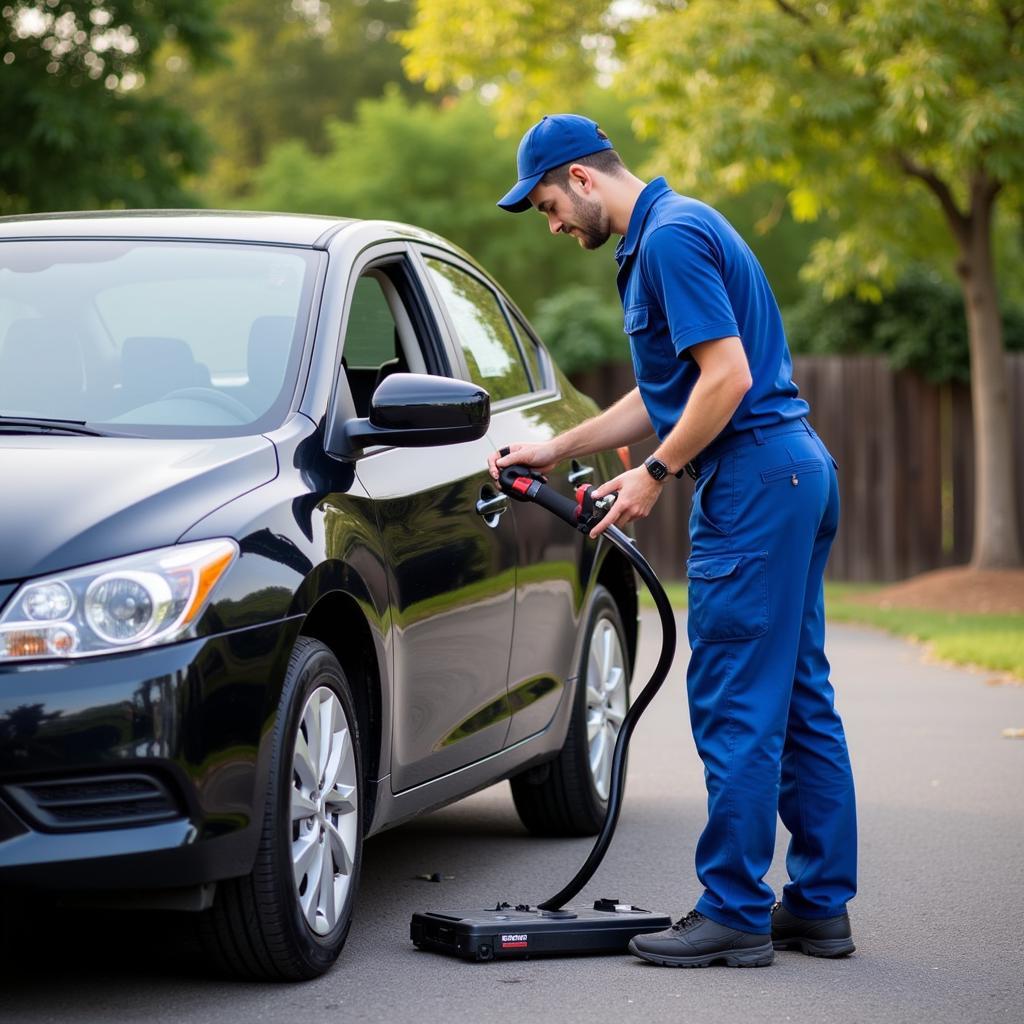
[652,191]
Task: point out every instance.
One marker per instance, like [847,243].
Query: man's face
[572,214]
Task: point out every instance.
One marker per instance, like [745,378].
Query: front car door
[450,570]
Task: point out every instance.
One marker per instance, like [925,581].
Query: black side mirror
[416,410]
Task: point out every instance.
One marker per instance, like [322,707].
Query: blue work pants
[765,512]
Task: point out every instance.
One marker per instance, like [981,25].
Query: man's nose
[555,225]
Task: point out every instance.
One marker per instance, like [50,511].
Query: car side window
[379,338]
[484,335]
[532,354]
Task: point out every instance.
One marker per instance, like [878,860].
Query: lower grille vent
[99,801]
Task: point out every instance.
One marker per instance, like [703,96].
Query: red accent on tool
[581,492]
[522,484]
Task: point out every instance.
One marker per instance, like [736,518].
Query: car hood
[67,500]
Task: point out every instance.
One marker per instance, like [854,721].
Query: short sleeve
[681,265]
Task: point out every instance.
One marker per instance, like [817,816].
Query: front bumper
[140,770]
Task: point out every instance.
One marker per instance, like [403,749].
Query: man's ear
[581,177]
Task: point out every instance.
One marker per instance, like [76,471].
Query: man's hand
[541,457]
[637,492]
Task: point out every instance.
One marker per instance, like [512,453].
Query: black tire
[256,928]
[560,798]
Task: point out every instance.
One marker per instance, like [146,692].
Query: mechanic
[713,374]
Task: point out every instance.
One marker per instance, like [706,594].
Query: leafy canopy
[539,50]
[839,102]
[76,130]
[444,170]
[289,66]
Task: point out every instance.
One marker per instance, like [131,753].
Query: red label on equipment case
[514,941]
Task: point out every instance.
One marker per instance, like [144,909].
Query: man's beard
[592,222]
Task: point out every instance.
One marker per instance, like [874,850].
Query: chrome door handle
[579,473]
[492,507]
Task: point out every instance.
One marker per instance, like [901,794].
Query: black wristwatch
[659,470]
[656,468]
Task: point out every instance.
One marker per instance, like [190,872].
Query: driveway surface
[939,923]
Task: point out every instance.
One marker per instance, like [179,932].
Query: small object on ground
[436,876]
[1013,734]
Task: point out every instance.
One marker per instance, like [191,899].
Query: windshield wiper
[44,425]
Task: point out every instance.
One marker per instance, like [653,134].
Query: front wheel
[569,795]
[289,918]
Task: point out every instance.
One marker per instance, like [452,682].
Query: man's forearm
[625,422]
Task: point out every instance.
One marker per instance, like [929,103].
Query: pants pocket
[728,596]
[714,496]
[790,470]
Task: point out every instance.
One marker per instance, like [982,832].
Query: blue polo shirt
[686,276]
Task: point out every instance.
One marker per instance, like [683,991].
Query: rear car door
[451,570]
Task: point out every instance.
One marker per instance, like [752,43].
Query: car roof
[219,225]
[298,229]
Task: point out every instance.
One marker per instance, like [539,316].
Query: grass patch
[676,595]
[990,641]
[993,642]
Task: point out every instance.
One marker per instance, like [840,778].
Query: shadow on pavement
[43,944]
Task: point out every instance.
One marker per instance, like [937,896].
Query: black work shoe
[697,941]
[830,936]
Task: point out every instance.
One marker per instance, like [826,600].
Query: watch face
[656,468]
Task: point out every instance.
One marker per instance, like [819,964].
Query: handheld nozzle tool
[525,484]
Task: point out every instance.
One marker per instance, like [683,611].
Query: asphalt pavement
[939,921]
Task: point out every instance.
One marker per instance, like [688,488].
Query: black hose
[527,485]
[668,649]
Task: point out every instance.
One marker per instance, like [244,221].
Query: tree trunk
[996,529]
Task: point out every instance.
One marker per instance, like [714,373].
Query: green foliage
[76,130]
[530,53]
[834,102]
[289,67]
[444,170]
[919,325]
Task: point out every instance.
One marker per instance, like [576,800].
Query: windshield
[157,338]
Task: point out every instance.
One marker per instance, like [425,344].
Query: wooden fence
[905,450]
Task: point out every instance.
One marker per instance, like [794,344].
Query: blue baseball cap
[554,140]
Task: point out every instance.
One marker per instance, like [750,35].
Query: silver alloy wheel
[324,798]
[606,700]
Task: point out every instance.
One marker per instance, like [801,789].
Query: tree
[444,170]
[288,68]
[77,129]
[900,122]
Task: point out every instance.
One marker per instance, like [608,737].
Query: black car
[259,597]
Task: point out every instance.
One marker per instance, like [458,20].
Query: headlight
[122,605]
